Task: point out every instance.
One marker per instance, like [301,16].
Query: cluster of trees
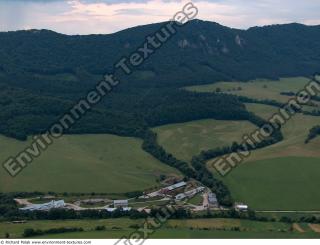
[8,207]
[312,113]
[206,177]
[275,103]
[233,214]
[288,93]
[29,232]
[313,133]
[304,219]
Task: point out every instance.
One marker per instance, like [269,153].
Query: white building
[124,209]
[176,186]
[45,206]
[120,203]
[212,199]
[241,207]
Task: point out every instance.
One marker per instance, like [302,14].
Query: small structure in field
[241,207]
[120,203]
[19,222]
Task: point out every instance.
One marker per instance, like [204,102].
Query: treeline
[304,219]
[199,173]
[313,133]
[288,93]
[29,232]
[64,214]
[315,113]
[236,147]
[199,161]
[275,103]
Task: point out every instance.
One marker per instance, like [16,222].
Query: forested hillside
[42,73]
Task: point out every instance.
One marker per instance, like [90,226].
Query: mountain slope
[42,73]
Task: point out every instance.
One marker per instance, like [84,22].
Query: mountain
[202,51]
[42,73]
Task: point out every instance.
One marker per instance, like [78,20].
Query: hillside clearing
[184,140]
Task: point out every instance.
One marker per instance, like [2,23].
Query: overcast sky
[108,16]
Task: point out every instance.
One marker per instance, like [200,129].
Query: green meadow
[185,140]
[85,163]
[289,183]
[257,89]
[283,176]
[195,228]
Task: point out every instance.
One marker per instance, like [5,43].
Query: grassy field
[283,176]
[289,183]
[85,163]
[258,89]
[197,199]
[295,132]
[185,140]
[196,228]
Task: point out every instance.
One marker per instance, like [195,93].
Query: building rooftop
[44,206]
[177,185]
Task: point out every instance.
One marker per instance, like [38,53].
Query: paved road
[205,200]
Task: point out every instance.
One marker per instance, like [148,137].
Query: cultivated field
[185,140]
[197,228]
[85,163]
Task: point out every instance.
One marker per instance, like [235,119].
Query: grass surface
[197,199]
[283,176]
[289,183]
[258,89]
[184,140]
[85,163]
[116,228]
